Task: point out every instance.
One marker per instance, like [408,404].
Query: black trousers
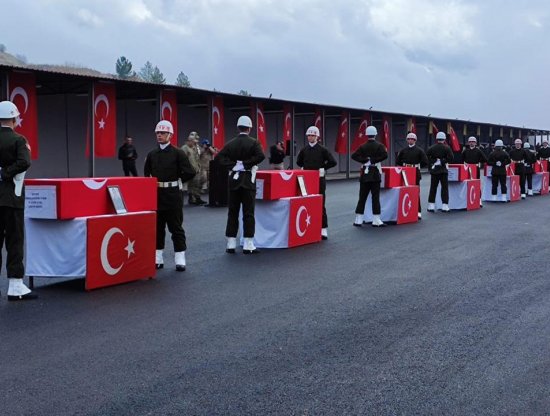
[418,178]
[246,198]
[364,189]
[173,218]
[129,167]
[495,181]
[437,178]
[12,232]
[522,182]
[322,189]
[529,178]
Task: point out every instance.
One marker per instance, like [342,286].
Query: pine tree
[182,80]
[245,93]
[124,68]
[150,73]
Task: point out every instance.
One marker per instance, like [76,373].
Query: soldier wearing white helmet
[498,159]
[474,156]
[413,156]
[544,151]
[172,168]
[517,155]
[439,155]
[315,156]
[15,159]
[241,157]
[370,155]
[530,160]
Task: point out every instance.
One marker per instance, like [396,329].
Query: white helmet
[8,110]
[371,131]
[440,135]
[518,141]
[411,136]
[313,131]
[164,125]
[472,139]
[526,145]
[244,121]
[499,143]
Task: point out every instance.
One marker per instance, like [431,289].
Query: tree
[182,80]
[151,73]
[124,68]
[245,93]
[2,47]
[158,77]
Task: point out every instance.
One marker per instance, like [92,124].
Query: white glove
[367,164]
[322,172]
[499,163]
[239,167]
[437,162]
[18,182]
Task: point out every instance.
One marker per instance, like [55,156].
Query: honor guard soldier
[370,155]
[413,156]
[172,168]
[241,156]
[473,155]
[530,160]
[544,152]
[517,156]
[498,159]
[15,159]
[315,156]
[439,155]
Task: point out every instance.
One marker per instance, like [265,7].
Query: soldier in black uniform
[474,155]
[241,156]
[172,168]
[15,159]
[498,159]
[315,156]
[530,160]
[544,152]
[517,156]
[412,155]
[370,155]
[438,156]
[128,154]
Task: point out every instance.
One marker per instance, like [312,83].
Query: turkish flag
[474,194]
[361,133]
[120,248]
[260,125]
[341,145]
[544,183]
[386,132]
[218,130]
[433,128]
[407,207]
[318,122]
[513,188]
[104,96]
[411,125]
[455,145]
[287,127]
[305,220]
[22,92]
[169,111]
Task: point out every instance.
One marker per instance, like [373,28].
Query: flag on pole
[104,119]
[341,145]
[169,111]
[386,132]
[455,144]
[260,125]
[22,92]
[287,127]
[218,130]
[361,133]
[318,122]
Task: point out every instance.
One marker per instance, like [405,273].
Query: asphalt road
[449,316]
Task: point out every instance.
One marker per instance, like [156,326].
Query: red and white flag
[169,111]
[433,128]
[218,130]
[305,220]
[260,125]
[361,133]
[22,92]
[287,127]
[455,144]
[411,125]
[386,132]
[104,100]
[341,145]
[407,210]
[318,122]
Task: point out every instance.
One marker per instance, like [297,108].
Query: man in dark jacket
[370,155]
[474,155]
[517,156]
[410,156]
[439,155]
[172,168]
[314,156]
[543,152]
[498,159]
[277,156]
[241,156]
[128,154]
[15,159]
[530,160]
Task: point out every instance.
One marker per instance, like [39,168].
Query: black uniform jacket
[15,158]
[315,157]
[474,155]
[543,153]
[518,158]
[442,152]
[169,165]
[501,156]
[530,160]
[374,152]
[249,151]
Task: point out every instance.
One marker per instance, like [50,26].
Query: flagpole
[91,131]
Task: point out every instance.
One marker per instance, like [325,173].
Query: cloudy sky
[486,61]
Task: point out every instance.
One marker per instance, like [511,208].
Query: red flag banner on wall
[22,92]
[386,132]
[318,122]
[455,144]
[341,145]
[411,125]
[218,130]
[433,129]
[361,133]
[169,111]
[104,97]
[287,126]
[260,125]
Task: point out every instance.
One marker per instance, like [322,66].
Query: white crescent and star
[342,124]
[20,91]
[406,198]
[361,132]
[98,99]
[215,123]
[164,105]
[93,184]
[317,120]
[109,269]
[472,195]
[286,176]
[308,221]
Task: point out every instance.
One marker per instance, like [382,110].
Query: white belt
[172,184]
[517,161]
[409,165]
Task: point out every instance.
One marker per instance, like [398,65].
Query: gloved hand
[239,167]
[437,162]
[499,163]
[367,163]
[322,172]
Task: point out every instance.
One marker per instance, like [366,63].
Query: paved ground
[448,316]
